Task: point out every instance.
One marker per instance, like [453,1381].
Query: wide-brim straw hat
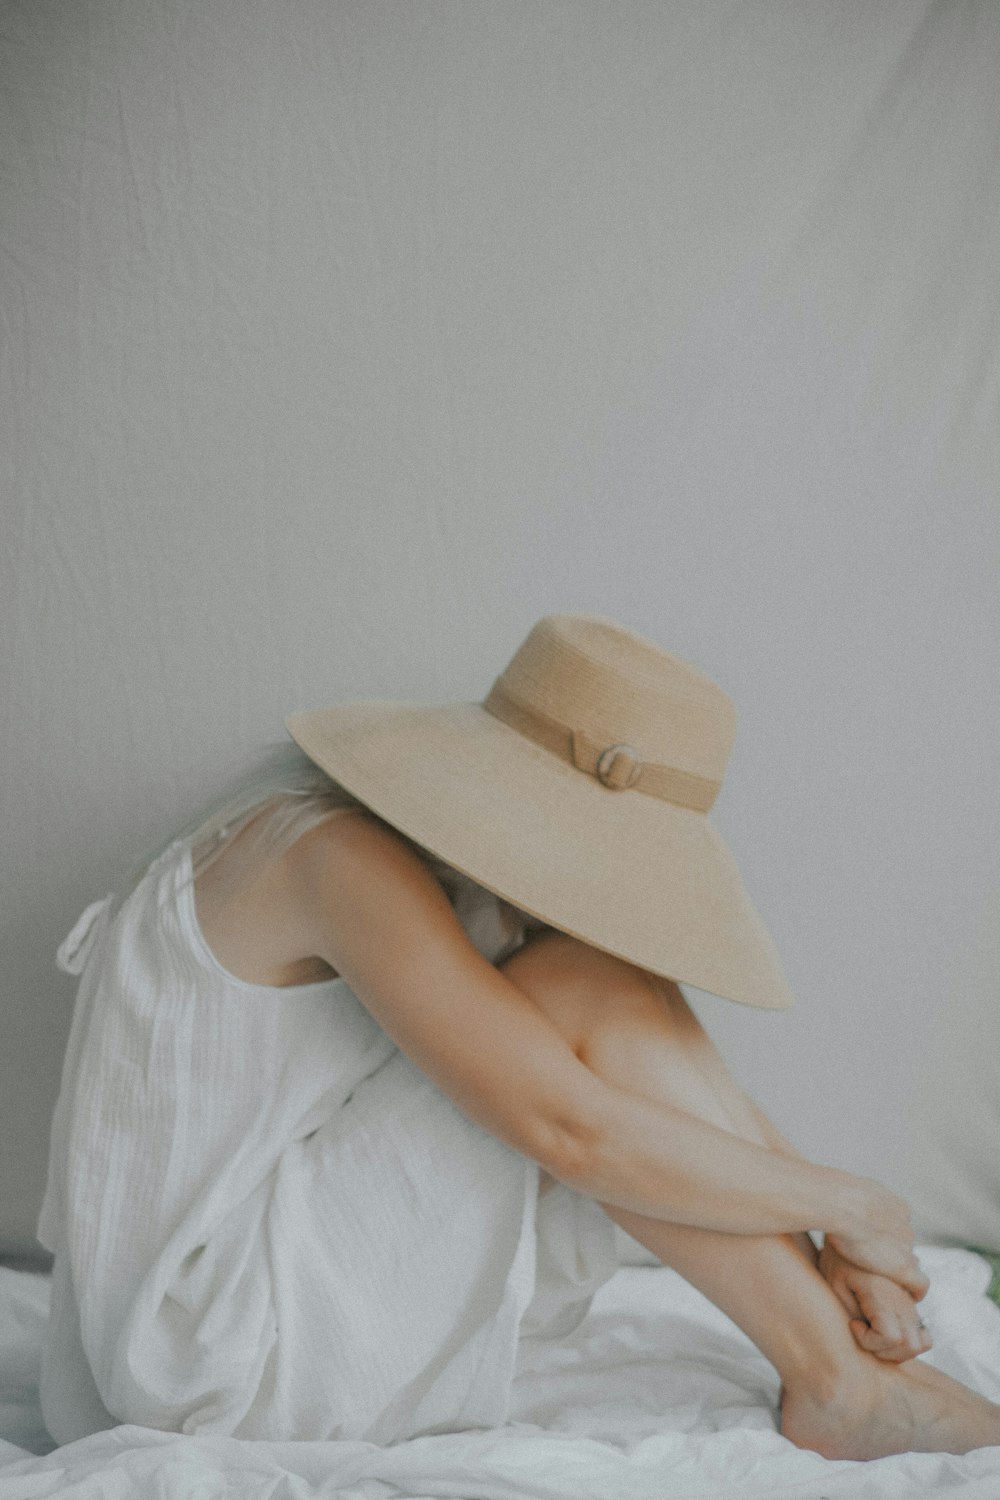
[578,791]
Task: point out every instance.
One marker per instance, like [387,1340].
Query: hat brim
[641,878]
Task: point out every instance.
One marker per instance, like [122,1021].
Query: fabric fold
[267,1221]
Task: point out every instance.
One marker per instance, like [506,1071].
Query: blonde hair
[284,798]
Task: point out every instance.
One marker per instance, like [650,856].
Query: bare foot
[883,1408]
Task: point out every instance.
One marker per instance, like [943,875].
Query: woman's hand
[884,1317]
[881,1240]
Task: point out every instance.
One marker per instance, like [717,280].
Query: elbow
[568,1147]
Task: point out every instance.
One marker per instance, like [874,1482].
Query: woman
[366,1066]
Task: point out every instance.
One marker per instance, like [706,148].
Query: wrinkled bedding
[656,1396]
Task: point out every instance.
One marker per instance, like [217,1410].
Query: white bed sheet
[657,1396]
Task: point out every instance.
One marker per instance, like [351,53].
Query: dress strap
[74,950]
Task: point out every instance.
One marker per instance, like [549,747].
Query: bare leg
[836,1398]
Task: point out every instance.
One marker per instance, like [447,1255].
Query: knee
[603,1006]
[556,967]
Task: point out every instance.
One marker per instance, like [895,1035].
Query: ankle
[826,1379]
[827,1413]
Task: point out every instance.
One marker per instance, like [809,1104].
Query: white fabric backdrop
[341,340]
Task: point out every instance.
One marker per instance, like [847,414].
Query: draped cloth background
[341,340]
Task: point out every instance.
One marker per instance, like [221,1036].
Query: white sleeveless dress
[266,1221]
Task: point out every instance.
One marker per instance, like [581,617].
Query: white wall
[341,340]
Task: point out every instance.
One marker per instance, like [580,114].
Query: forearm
[772,1137]
[659,1161]
[880,1292]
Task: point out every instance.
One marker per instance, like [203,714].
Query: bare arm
[378,916]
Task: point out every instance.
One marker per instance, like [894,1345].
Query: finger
[916,1282]
[865,1336]
[882,1258]
[894,1349]
[899,1354]
[846,1297]
[885,1307]
[910,1277]
[888,1349]
[891,1313]
[887,1330]
[912,1280]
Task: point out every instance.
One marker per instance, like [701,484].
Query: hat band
[618,766]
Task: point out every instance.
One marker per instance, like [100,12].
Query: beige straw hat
[578,791]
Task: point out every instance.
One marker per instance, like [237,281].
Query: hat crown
[576,790]
[619,689]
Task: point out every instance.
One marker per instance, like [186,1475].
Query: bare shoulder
[368,895]
[356,842]
[352,827]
